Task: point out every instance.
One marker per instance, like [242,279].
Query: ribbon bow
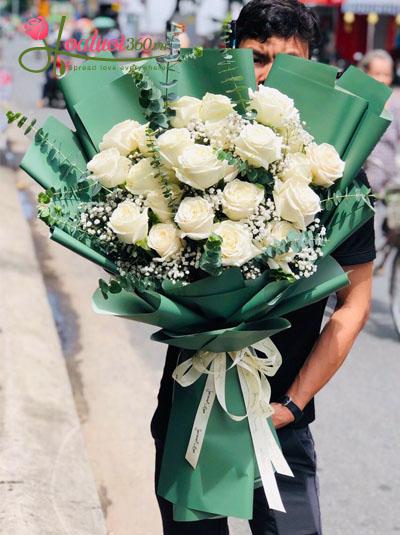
[253,372]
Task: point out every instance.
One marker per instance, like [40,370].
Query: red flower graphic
[37,28]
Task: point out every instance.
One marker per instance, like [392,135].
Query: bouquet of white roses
[216,189]
[215,213]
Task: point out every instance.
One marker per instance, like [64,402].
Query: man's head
[379,65]
[271,27]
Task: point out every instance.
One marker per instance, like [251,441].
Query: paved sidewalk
[46,483]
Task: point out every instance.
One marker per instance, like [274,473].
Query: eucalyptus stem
[229,66]
[22,119]
[342,197]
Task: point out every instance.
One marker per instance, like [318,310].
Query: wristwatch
[291,405]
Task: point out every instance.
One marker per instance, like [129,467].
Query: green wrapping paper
[204,74]
[223,481]
[48,169]
[85,83]
[224,313]
[43,166]
[194,78]
[83,249]
[373,125]
[347,112]
[347,218]
[331,115]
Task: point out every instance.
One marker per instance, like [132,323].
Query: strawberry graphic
[37,28]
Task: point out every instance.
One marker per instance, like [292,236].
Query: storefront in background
[352,27]
[366,25]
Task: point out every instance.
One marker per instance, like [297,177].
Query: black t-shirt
[295,343]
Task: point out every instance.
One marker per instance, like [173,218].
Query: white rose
[164,240]
[122,136]
[296,139]
[277,231]
[199,167]
[217,132]
[326,164]
[215,107]
[129,223]
[237,247]
[172,143]
[142,140]
[240,199]
[160,205]
[142,178]
[195,217]
[297,165]
[109,168]
[186,110]
[273,107]
[296,202]
[258,145]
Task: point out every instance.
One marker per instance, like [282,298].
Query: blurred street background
[113,368]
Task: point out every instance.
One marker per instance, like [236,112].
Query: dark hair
[262,19]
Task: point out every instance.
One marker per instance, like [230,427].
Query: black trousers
[299,495]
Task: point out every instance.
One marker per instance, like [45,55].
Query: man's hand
[282,415]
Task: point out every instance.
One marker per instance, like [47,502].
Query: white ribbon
[253,372]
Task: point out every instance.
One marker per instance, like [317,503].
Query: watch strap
[286,401]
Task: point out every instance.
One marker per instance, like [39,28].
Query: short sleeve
[359,248]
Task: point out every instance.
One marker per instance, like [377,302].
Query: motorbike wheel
[395,292]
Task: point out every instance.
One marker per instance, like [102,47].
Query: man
[310,359]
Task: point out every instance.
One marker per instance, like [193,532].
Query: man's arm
[334,342]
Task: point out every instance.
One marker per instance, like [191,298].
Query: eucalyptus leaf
[144,101]
[115,287]
[167,85]
[103,288]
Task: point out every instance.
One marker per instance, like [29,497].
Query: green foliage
[57,158]
[143,244]
[156,101]
[197,52]
[150,99]
[61,208]
[21,120]
[210,261]
[161,173]
[170,59]
[361,196]
[295,241]
[113,287]
[257,175]
[103,285]
[45,197]
[237,87]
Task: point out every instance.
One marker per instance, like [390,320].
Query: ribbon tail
[267,451]
[277,458]
[264,461]
[200,422]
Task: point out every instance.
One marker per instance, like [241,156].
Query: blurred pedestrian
[381,165]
